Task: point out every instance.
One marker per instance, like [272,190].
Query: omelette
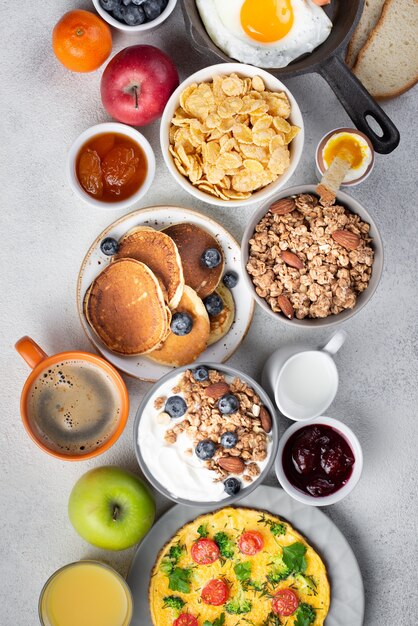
[238,566]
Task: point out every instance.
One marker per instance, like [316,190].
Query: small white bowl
[134,29]
[99,129]
[354,444]
[320,165]
[206,75]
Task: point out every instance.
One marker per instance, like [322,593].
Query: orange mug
[39,361]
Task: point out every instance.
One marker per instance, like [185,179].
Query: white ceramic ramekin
[354,444]
[140,27]
[99,129]
[206,75]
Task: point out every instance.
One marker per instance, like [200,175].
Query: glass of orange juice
[86,593]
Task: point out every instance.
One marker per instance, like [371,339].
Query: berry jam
[318,460]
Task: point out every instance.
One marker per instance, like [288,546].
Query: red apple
[137,83]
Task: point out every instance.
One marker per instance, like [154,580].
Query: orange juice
[86,593]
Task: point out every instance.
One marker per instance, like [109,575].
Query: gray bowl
[230,371]
[363,298]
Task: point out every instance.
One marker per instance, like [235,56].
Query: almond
[232,464]
[286,306]
[283,206]
[266,421]
[217,390]
[292,259]
[346,238]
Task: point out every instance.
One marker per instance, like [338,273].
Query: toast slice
[388,64]
[369,18]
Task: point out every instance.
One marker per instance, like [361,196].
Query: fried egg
[265,33]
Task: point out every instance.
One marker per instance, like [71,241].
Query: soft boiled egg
[266,33]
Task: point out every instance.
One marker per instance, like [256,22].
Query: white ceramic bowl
[134,29]
[362,299]
[320,165]
[121,129]
[206,74]
[303,497]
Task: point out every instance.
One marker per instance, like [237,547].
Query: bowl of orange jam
[343,142]
[111,166]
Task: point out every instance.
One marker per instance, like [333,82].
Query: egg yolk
[267,20]
[346,145]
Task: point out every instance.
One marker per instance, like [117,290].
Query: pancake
[284,561]
[125,308]
[180,350]
[220,324]
[192,241]
[159,252]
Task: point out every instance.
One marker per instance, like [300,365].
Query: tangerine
[81,41]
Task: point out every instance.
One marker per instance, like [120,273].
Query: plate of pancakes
[152,293]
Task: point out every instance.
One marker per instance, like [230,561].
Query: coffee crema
[73,407]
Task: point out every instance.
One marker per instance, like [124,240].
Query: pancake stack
[154,275]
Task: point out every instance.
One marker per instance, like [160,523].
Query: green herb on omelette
[276,528]
[305,615]
[179,579]
[173,602]
[294,557]
[225,544]
[202,531]
[219,621]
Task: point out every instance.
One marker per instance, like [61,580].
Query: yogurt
[183,474]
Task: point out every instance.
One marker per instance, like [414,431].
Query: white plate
[347,592]
[159,217]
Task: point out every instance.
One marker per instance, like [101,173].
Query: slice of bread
[387,65]
[369,18]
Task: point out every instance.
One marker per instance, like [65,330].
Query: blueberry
[211,258]
[126,2]
[228,404]
[175,406]
[119,12]
[213,304]
[200,373]
[181,324]
[109,246]
[154,8]
[134,15]
[232,486]
[138,2]
[109,5]
[229,439]
[230,280]
[205,449]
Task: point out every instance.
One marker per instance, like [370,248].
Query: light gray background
[45,232]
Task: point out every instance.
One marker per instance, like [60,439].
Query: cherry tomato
[185,619]
[251,542]
[215,592]
[205,551]
[285,602]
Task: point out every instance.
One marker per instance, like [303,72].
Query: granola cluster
[203,420]
[330,275]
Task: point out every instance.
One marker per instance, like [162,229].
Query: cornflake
[230,137]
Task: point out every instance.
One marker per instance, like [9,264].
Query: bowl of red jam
[319,463]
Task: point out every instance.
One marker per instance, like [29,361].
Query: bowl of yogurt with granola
[205,434]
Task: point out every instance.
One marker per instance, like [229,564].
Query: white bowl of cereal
[232,134]
[310,265]
[206,434]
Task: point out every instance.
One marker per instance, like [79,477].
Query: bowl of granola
[206,434]
[309,263]
[231,134]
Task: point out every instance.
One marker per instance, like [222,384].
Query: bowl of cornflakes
[232,134]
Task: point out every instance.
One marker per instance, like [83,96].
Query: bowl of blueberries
[181,465]
[134,15]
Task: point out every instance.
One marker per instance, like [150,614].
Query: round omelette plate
[347,592]
[159,217]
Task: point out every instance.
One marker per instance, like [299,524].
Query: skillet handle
[359,103]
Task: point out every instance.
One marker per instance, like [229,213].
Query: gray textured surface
[45,233]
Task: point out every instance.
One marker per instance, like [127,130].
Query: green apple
[111,508]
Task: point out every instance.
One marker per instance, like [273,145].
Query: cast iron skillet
[328,61]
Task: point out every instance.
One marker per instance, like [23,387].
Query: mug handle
[30,351]
[335,343]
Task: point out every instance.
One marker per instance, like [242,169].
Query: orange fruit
[82,41]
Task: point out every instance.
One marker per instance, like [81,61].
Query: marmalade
[111,167]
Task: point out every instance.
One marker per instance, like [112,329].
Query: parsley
[243,570]
[276,528]
[225,544]
[294,557]
[305,615]
[173,602]
[179,580]
[202,531]
[219,621]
